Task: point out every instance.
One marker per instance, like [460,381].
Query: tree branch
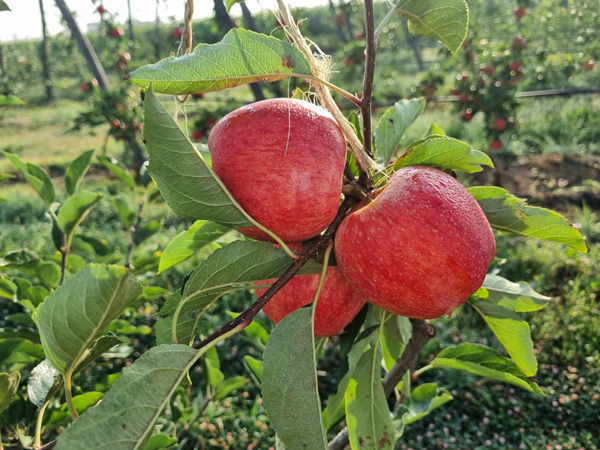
[369,76]
[422,333]
[324,240]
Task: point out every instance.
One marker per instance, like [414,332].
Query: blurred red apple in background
[496,144]
[101,9]
[589,65]
[466,116]
[177,33]
[519,12]
[420,248]
[116,32]
[515,66]
[338,303]
[197,135]
[283,160]
[500,124]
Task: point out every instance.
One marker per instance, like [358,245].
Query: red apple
[518,43]
[338,303]
[349,61]
[420,248]
[463,98]
[454,91]
[101,9]
[282,159]
[115,123]
[466,116]
[496,144]
[198,95]
[429,89]
[197,135]
[589,65]
[177,33]
[116,32]
[519,12]
[85,87]
[489,71]
[515,66]
[500,124]
[124,57]
[340,20]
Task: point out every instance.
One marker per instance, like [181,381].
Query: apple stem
[246,317]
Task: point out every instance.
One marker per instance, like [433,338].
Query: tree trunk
[138,154]
[157,34]
[414,44]
[339,29]
[250,24]
[85,47]
[348,20]
[45,56]
[130,23]
[227,23]
[3,67]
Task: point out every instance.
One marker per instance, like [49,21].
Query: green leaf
[512,331]
[229,385]
[255,368]
[233,267]
[37,177]
[118,169]
[445,20]
[336,410]
[74,262]
[289,387]
[3,6]
[160,441]
[517,297]
[74,211]
[424,399]
[445,153]
[28,262]
[186,329]
[188,243]
[61,417]
[241,57]
[230,3]
[91,245]
[28,295]
[9,383]
[77,313]
[367,413]
[4,177]
[188,184]
[397,331]
[214,376]
[393,124]
[43,383]
[506,212]
[27,351]
[486,362]
[8,289]
[434,130]
[77,170]
[125,419]
[126,209]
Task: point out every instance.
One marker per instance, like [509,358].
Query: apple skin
[500,124]
[288,181]
[496,144]
[589,65]
[338,303]
[420,248]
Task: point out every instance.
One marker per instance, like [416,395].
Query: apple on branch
[282,160]
[420,248]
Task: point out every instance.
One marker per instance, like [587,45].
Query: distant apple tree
[403,236]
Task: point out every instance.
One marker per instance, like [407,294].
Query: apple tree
[346,229]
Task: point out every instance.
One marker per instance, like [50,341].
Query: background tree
[45,57]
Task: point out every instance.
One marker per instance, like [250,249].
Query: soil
[553,181]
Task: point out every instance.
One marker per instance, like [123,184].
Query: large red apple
[337,305]
[283,160]
[420,248]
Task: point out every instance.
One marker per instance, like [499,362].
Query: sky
[24,21]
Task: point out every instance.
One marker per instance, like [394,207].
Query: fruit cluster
[420,248]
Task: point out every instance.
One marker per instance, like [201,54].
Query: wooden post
[85,47]
[45,56]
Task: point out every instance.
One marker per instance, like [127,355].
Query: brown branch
[369,76]
[247,316]
[48,446]
[422,333]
